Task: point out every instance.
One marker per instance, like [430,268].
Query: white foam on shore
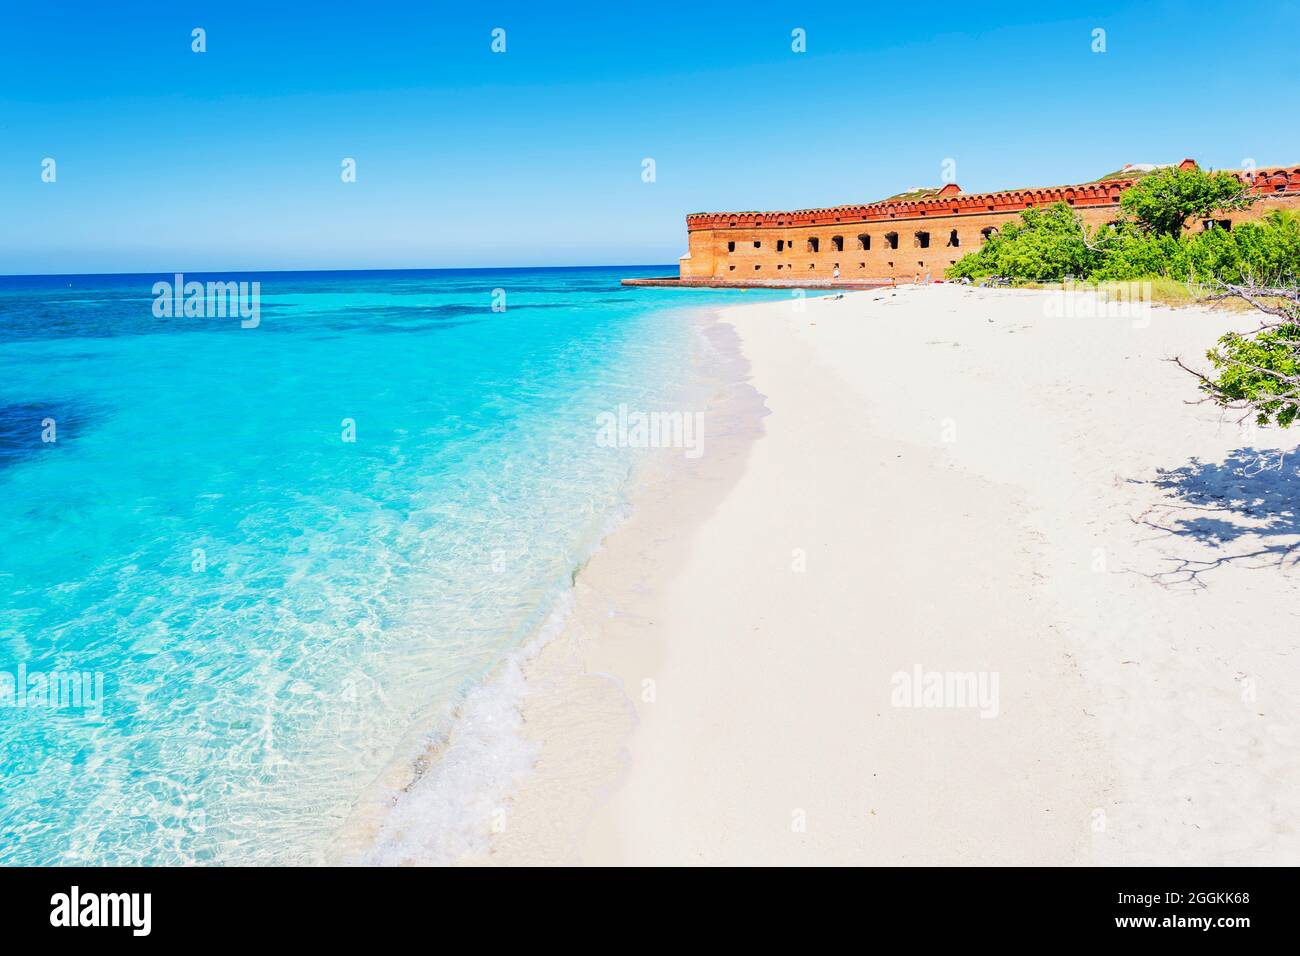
[456,790]
[450,809]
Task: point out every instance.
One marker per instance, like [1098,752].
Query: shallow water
[275,611]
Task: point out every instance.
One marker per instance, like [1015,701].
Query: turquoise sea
[286,553]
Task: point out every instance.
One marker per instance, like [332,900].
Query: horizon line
[73,275]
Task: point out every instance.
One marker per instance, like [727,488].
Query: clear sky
[230,159]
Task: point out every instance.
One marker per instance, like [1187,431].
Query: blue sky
[230,159]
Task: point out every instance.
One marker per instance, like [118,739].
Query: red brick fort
[913,235]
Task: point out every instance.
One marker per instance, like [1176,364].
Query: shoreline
[441,798]
[578,707]
[1010,547]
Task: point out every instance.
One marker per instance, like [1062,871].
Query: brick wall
[741,248]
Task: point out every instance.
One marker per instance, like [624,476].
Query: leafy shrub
[1046,244]
[1269,250]
[1049,244]
[1259,371]
[1162,202]
[1129,254]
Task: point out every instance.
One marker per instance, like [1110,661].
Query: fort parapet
[908,237]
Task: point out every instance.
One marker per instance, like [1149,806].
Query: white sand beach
[947,480]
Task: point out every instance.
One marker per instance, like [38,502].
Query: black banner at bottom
[1225,906]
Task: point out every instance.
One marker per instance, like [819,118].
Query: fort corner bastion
[911,236]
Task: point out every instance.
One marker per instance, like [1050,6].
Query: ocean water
[273,561]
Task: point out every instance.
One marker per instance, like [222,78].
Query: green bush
[1129,254]
[1162,202]
[1050,244]
[1269,250]
[1214,254]
[1046,244]
[1259,371]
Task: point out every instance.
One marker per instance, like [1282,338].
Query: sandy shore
[952,482]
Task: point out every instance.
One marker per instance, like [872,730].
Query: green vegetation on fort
[1256,372]
[1162,202]
[1148,240]
[1125,173]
